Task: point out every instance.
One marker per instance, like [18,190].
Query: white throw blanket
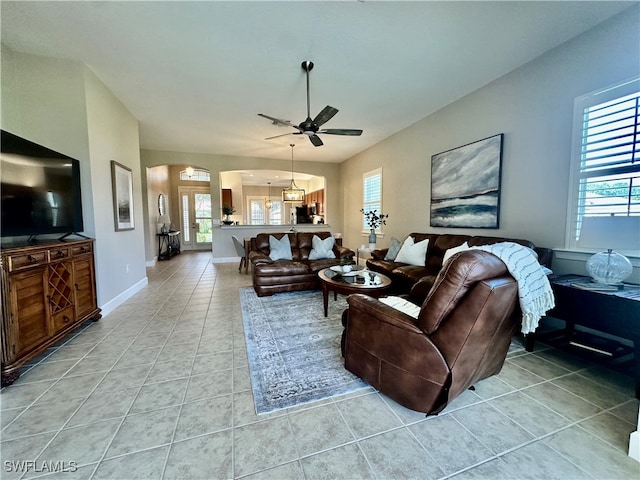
[534,289]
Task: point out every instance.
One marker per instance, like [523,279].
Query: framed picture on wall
[122,186]
[465,185]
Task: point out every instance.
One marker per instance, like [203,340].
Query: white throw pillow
[322,248]
[279,249]
[452,251]
[413,253]
[405,306]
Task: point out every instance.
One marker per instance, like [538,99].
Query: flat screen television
[40,189]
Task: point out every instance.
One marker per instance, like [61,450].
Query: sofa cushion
[452,251]
[394,249]
[413,253]
[279,249]
[283,268]
[322,248]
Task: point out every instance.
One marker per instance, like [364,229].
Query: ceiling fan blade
[284,135]
[325,115]
[341,131]
[316,140]
[278,121]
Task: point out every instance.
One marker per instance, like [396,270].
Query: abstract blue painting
[465,185]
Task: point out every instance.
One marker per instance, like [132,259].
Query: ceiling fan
[309,127]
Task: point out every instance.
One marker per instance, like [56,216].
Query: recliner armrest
[343,252]
[382,312]
[257,257]
[393,337]
[379,254]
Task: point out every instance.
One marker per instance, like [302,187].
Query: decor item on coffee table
[294,352]
[471,198]
[372,283]
[461,335]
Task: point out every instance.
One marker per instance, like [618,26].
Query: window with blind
[371,194]
[606,156]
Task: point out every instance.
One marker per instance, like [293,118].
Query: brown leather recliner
[462,334]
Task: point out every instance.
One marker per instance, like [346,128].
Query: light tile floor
[160,388]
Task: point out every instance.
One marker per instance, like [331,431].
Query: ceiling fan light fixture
[311,127]
[292,194]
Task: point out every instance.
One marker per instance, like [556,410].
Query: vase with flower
[374,220]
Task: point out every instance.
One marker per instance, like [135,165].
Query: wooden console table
[615,313]
[168,245]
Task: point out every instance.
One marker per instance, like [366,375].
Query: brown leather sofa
[417,280]
[461,336]
[299,273]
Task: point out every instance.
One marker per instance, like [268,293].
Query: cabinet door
[29,323]
[60,291]
[227,197]
[84,285]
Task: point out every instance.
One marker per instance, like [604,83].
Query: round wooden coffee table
[346,285]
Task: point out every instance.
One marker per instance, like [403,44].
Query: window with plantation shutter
[606,159]
[372,194]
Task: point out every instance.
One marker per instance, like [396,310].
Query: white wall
[49,112]
[533,107]
[63,106]
[113,135]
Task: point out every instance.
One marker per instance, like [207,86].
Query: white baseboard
[634,445]
[114,303]
[634,442]
[152,263]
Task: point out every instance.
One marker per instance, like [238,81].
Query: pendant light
[268,203]
[292,194]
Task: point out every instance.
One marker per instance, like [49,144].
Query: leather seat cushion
[281,268]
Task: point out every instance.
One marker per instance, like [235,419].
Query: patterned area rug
[294,351]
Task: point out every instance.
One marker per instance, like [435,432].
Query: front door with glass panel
[195,218]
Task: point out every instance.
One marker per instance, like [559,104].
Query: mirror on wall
[161,204]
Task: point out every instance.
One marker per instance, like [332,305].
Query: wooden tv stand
[48,291]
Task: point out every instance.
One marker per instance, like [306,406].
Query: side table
[168,245]
[610,312]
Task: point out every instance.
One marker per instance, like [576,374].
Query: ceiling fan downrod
[307,126]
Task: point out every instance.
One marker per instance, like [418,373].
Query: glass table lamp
[164,220]
[620,232]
